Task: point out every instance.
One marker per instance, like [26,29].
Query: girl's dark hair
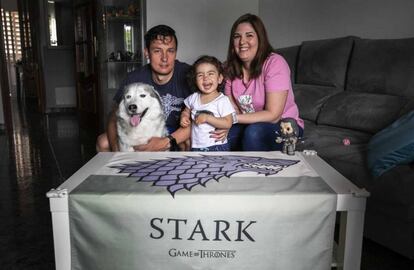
[233,64]
[205,59]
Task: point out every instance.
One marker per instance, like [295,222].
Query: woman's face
[245,42]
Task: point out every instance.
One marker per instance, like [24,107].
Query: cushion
[348,159]
[392,146]
[383,66]
[361,111]
[324,62]
[290,54]
[310,99]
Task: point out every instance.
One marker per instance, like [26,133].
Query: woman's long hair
[233,64]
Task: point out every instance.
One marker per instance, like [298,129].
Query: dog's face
[138,98]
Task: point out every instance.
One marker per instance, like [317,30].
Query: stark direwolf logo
[187,172]
[171,103]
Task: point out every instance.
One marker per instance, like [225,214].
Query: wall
[9,5]
[291,21]
[202,26]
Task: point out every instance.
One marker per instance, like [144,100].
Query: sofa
[348,90]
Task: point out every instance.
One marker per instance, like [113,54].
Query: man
[168,76]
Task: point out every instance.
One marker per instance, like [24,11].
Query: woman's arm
[272,112]
[217,122]
[233,102]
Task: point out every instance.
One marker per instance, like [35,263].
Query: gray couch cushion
[361,111]
[394,186]
[349,160]
[310,99]
[382,66]
[324,62]
[291,55]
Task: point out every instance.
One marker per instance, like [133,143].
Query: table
[350,204]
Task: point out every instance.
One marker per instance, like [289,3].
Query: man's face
[162,53]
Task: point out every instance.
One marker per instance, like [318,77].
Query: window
[53,37]
[11,31]
[129,38]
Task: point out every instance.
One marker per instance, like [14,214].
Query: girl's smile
[208,78]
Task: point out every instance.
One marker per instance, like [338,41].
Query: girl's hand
[201,118]
[185,118]
[184,121]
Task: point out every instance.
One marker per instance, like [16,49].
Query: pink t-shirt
[275,77]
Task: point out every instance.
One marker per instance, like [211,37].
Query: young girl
[208,108]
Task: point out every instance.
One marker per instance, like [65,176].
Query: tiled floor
[40,154]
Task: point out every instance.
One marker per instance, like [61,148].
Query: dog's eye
[128,96]
[142,95]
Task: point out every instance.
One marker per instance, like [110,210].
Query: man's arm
[163,143]
[111,131]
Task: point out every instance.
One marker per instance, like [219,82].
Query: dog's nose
[132,108]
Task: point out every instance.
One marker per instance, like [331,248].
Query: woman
[258,86]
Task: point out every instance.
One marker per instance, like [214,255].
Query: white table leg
[61,239]
[350,239]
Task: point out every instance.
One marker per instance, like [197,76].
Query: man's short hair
[162,32]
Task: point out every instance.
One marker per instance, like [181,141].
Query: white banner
[197,211]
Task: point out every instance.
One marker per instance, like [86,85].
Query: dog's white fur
[139,98]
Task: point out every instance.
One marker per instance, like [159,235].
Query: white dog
[139,117]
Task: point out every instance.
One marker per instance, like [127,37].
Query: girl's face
[245,42]
[208,78]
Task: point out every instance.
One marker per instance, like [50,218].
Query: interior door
[31,61]
[86,65]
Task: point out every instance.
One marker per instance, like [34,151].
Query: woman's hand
[219,134]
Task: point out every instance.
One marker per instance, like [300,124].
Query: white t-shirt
[200,134]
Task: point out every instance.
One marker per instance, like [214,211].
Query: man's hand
[201,118]
[154,144]
[219,134]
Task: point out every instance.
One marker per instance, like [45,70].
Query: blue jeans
[220,147]
[259,136]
